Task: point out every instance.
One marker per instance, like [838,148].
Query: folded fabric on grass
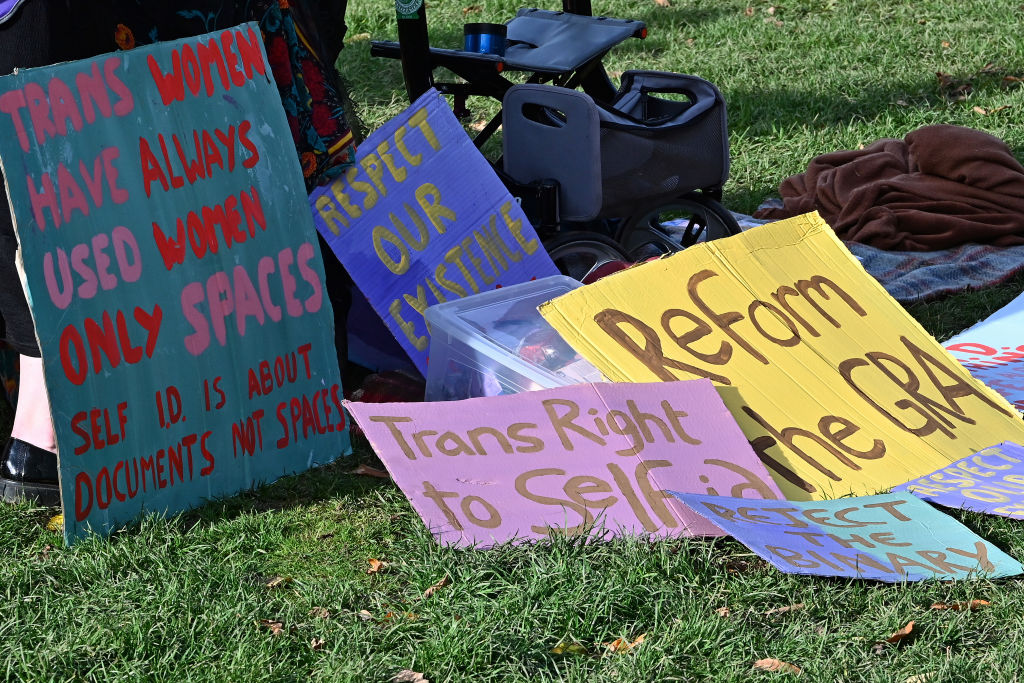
[938,188]
[917,276]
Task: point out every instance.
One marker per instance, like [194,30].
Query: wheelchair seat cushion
[549,42]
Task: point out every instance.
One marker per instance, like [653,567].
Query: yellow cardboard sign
[837,388]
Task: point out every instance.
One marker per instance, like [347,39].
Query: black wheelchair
[603,172]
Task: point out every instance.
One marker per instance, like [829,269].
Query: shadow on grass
[333,481]
[756,111]
[745,200]
[944,317]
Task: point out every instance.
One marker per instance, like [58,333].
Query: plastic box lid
[500,332]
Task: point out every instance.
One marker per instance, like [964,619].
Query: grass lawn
[275,584]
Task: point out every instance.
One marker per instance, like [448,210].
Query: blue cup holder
[488,39]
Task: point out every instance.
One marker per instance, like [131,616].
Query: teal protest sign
[174,276]
[888,537]
[422,218]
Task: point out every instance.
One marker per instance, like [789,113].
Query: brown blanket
[940,187]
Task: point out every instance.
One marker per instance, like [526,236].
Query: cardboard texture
[993,351]
[174,276]
[370,343]
[587,458]
[989,481]
[838,389]
[889,537]
[422,218]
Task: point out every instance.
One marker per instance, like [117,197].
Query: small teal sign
[890,537]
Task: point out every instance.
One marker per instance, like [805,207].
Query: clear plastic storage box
[496,343]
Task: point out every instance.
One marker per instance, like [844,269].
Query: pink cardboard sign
[587,458]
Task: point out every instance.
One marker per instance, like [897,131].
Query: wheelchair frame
[577,249]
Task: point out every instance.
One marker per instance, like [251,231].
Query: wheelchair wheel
[578,252]
[675,225]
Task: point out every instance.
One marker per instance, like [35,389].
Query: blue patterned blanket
[917,276]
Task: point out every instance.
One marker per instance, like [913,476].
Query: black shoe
[28,472]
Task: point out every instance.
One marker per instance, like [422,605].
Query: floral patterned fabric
[43,32]
[308,89]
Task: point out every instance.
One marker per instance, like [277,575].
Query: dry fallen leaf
[622,645]
[279,582]
[979,110]
[436,587]
[776,665]
[472,9]
[945,80]
[569,648]
[770,10]
[903,634]
[478,125]
[736,565]
[357,37]
[921,678]
[783,610]
[749,11]
[317,643]
[945,43]
[662,3]
[276,627]
[367,471]
[321,612]
[723,612]
[953,87]
[960,606]
[376,566]
[364,614]
[409,676]
[411,616]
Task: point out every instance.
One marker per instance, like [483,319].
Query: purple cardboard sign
[890,537]
[989,481]
[422,218]
[586,458]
